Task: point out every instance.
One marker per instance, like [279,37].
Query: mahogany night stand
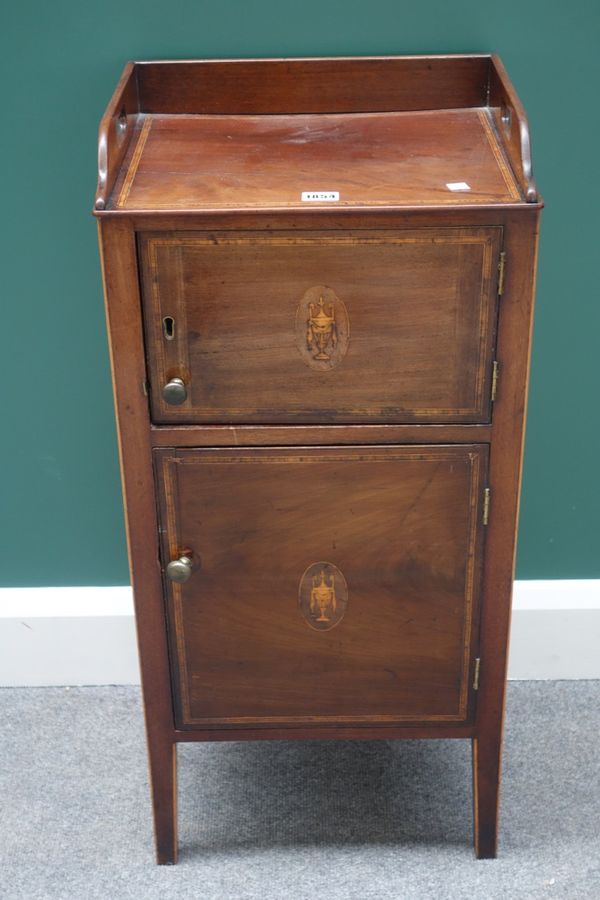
[319,279]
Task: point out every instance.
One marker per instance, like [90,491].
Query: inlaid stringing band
[507,174]
[135,161]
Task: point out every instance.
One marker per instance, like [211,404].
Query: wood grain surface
[403,528]
[416,319]
[317,85]
[375,159]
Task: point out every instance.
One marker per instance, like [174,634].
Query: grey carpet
[272,821]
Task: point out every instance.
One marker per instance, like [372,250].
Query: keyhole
[169,328]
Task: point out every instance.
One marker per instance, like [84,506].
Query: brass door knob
[179,570]
[175,391]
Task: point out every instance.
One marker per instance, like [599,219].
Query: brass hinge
[486,506]
[476,674]
[495,368]
[501,266]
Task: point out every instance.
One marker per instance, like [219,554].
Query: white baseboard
[86,635]
[73,635]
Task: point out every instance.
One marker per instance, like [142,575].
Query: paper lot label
[320,196]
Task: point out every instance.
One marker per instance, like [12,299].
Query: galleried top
[381,132]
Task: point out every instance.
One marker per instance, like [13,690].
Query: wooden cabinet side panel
[119,267]
[506,454]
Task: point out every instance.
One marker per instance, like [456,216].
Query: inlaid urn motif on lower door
[322,328]
[323,595]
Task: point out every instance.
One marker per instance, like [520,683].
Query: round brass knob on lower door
[179,570]
[175,391]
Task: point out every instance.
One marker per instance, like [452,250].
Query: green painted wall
[61,511]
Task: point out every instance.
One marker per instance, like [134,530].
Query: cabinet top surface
[275,161]
[394,132]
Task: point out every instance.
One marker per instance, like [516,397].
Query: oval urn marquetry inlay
[322,328]
[323,595]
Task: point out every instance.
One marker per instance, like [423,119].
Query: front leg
[487,750]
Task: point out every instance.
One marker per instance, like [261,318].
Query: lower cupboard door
[322,585]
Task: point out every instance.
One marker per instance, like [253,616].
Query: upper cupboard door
[378,326]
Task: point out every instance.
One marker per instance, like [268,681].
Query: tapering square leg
[486,793]
[163,775]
